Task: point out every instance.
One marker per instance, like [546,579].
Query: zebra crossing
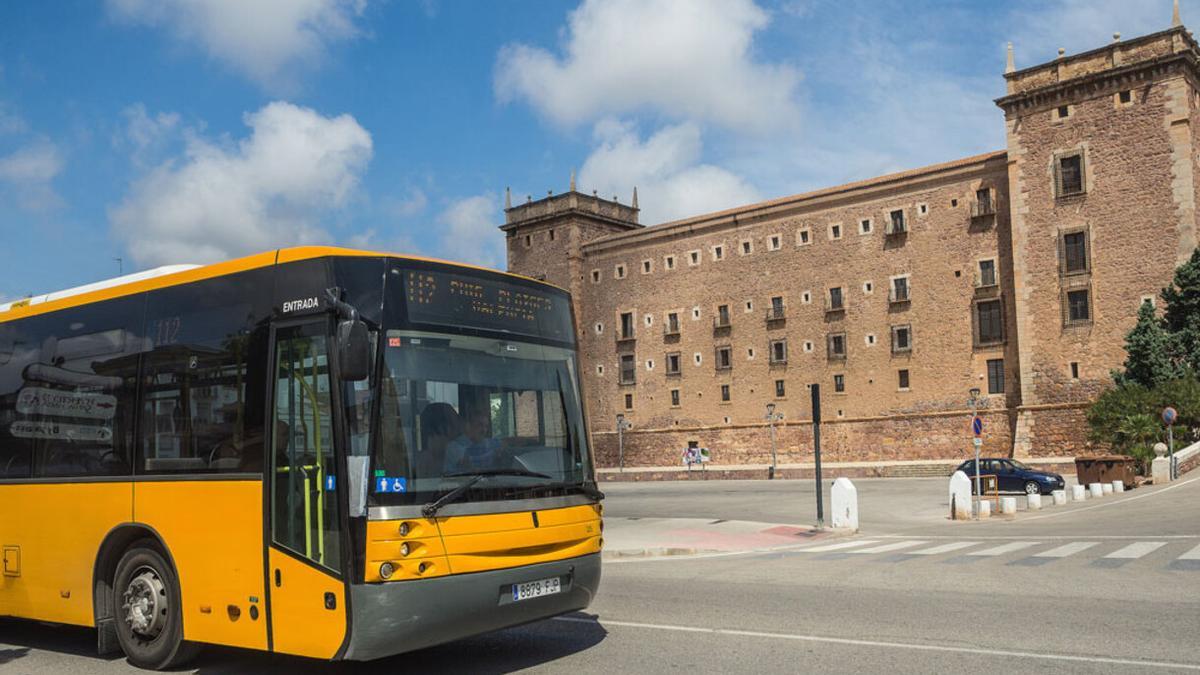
[1181,554]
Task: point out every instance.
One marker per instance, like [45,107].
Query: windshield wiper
[430,510]
[590,490]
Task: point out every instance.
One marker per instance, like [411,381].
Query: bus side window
[203,378]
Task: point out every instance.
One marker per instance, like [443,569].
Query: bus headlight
[404,549]
[386,570]
[404,528]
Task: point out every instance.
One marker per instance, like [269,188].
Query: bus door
[304,560]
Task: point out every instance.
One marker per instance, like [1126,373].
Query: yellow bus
[313,451]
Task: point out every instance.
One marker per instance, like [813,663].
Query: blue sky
[195,130]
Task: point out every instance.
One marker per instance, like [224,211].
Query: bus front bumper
[397,617]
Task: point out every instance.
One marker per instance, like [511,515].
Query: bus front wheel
[148,617]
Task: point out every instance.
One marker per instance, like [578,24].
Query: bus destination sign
[449,299]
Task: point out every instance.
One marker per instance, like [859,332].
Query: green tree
[1113,407]
[1149,361]
[1182,315]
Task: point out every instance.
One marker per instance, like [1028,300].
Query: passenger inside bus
[439,425]
[475,448]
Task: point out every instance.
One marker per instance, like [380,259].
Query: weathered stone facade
[1016,273]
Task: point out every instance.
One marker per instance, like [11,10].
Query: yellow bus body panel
[213,532]
[300,623]
[480,543]
[57,531]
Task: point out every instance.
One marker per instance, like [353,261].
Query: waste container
[1105,469]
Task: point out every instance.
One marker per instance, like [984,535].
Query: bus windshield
[452,406]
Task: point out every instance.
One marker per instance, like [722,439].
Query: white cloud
[273,188]
[1080,25]
[27,174]
[412,203]
[263,39]
[689,59]
[470,232]
[147,135]
[10,121]
[666,168]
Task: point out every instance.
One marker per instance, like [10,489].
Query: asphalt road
[968,607]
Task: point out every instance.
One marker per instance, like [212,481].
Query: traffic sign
[977,426]
[1169,416]
[978,442]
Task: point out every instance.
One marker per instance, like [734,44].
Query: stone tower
[544,237]
[1103,187]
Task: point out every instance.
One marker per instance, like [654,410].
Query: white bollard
[985,508]
[1078,493]
[1033,502]
[1118,486]
[960,496]
[1095,490]
[1060,497]
[1106,488]
[843,499]
[1008,505]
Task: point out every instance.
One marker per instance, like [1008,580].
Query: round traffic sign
[977,426]
[1169,416]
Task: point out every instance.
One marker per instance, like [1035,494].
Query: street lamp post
[772,418]
[622,425]
[974,405]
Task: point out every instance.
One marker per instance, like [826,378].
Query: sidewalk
[656,537]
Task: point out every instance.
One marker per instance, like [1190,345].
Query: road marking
[1122,500]
[1193,554]
[1137,550]
[1004,548]
[1067,549]
[944,548]
[916,646]
[839,546]
[894,546]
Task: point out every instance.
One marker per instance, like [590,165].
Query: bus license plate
[536,589]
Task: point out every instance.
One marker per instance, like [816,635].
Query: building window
[868,288]
[649,319]
[747,247]
[808,346]
[896,224]
[1125,97]
[724,358]
[647,267]
[595,276]
[775,313]
[989,322]
[839,384]
[835,231]
[775,242]
[922,209]
[836,346]
[673,363]
[780,389]
[749,305]
[599,328]
[722,319]
[1078,307]
[750,353]
[987,274]
[669,262]
[675,398]
[864,226]
[628,369]
[697,358]
[619,272]
[627,325]
[870,338]
[693,258]
[695,313]
[725,395]
[1074,370]
[528,241]
[718,252]
[899,290]
[599,370]
[835,301]
[649,364]
[551,235]
[779,351]
[995,375]
[901,339]
[629,401]
[1074,252]
[803,237]
[806,297]
[672,327]
[902,376]
[1068,175]
[1064,111]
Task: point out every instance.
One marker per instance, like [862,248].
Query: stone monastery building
[1017,272]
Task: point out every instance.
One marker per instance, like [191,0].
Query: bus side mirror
[354,350]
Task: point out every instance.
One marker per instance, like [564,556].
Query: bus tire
[148,613]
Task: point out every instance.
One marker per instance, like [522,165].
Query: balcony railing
[835,304]
[720,322]
[775,314]
[985,280]
[623,336]
[895,227]
[897,295]
[670,330]
[983,208]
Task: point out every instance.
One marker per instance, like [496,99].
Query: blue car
[1014,476]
